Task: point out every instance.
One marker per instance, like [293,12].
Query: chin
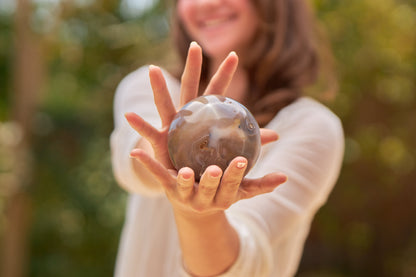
[219,50]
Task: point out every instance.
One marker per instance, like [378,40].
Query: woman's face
[219,26]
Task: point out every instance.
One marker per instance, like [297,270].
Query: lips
[216,21]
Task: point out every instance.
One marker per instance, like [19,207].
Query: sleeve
[310,152]
[133,94]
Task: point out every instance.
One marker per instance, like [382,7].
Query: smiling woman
[262,54]
[219,26]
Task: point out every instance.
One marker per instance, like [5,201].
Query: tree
[28,76]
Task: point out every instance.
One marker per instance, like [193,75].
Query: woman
[227,225]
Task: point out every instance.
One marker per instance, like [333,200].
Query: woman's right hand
[189,90]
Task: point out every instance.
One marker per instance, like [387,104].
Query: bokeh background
[61,212]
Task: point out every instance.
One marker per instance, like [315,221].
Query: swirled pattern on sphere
[212,130]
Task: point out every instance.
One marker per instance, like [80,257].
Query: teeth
[214,22]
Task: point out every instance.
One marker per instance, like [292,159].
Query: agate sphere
[213,130]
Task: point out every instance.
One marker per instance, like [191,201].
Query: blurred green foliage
[368,227]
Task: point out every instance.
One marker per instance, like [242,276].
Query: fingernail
[241,165]
[194,43]
[186,177]
[134,153]
[232,53]
[215,174]
[185,174]
[286,178]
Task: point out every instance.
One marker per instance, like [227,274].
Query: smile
[215,22]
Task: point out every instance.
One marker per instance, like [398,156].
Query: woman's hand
[189,90]
[217,190]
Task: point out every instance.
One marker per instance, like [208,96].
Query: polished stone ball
[213,130]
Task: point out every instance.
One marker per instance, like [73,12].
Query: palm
[189,90]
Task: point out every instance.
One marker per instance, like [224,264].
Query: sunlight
[135,8]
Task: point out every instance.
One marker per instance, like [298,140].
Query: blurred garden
[61,211]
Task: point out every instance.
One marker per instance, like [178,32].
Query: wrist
[209,243]
[199,217]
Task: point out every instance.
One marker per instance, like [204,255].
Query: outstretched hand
[217,190]
[189,90]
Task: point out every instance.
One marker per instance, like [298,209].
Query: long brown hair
[284,56]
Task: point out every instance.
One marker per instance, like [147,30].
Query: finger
[145,129]
[155,168]
[185,182]
[161,95]
[191,74]
[207,187]
[222,78]
[253,187]
[267,136]
[230,183]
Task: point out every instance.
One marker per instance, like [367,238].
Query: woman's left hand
[216,190]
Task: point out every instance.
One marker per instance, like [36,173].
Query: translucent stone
[213,130]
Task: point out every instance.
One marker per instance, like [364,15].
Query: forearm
[209,244]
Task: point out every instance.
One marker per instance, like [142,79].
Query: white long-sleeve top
[272,227]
